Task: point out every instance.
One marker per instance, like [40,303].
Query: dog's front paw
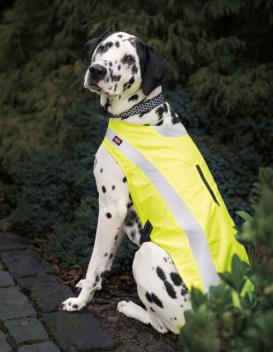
[72,304]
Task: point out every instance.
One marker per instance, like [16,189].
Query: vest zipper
[207,184]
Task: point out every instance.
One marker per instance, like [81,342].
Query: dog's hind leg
[133,310]
[160,288]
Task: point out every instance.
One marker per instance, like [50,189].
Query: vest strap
[146,231]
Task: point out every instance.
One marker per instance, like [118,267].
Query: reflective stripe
[177,130]
[181,213]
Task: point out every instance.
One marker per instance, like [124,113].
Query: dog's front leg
[113,200]
[108,237]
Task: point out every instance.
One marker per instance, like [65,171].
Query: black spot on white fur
[133,97]
[176,279]
[130,218]
[103,188]
[169,287]
[139,225]
[132,41]
[152,298]
[170,290]
[113,77]
[108,215]
[130,203]
[107,46]
[161,273]
[129,83]
[175,118]
[134,69]
[160,111]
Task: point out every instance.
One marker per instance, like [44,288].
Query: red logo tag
[117,140]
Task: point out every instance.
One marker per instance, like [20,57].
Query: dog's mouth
[95,88]
[98,87]
[88,84]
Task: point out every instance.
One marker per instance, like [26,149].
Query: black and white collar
[140,108]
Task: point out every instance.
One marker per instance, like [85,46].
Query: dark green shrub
[229,321]
[50,188]
[49,128]
[222,48]
[43,194]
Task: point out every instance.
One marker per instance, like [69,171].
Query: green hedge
[221,324]
[49,126]
[221,49]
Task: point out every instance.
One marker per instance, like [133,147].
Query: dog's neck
[160,115]
[120,103]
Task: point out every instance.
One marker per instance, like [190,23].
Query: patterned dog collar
[140,108]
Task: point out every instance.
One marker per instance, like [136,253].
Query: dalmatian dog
[126,71]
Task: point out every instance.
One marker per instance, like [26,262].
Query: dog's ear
[154,69]
[91,45]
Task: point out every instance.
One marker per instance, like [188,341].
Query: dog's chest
[114,192]
[109,176]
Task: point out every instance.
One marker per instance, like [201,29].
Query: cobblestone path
[30,294]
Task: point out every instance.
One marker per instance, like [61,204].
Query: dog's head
[121,64]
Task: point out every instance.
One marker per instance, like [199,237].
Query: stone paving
[30,294]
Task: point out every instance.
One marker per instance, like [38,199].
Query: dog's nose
[97,72]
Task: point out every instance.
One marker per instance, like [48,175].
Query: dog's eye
[128,59]
[100,49]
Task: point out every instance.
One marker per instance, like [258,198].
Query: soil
[129,334]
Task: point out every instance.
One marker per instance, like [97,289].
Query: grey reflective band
[181,213]
[176,130]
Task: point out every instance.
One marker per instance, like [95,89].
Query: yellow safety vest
[176,199]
